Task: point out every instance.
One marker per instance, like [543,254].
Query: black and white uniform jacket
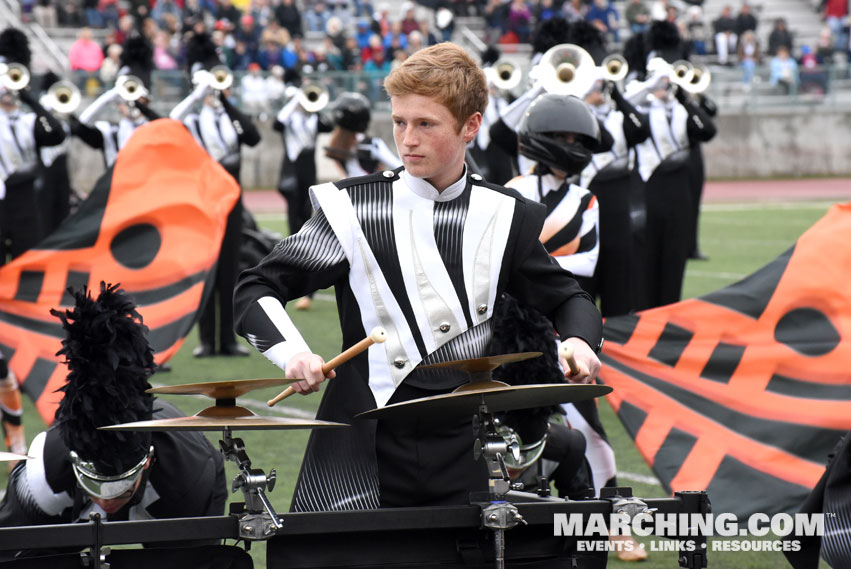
[673,128]
[571,231]
[628,128]
[22,135]
[299,128]
[185,479]
[427,266]
[109,137]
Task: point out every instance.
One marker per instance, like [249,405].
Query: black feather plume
[15,47]
[201,53]
[550,33]
[663,37]
[109,362]
[137,57]
[587,36]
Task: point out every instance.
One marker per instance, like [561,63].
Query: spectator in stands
[835,12]
[725,34]
[637,16]
[378,60]
[45,13]
[111,64]
[109,12]
[163,57]
[252,89]
[275,87]
[164,7]
[227,11]
[289,17]
[784,72]
[363,33]
[317,18]
[85,54]
[93,16]
[333,55]
[271,54]
[196,11]
[274,32]
[409,20]
[444,20]
[351,55]
[780,36]
[415,42]
[69,14]
[544,10]
[825,49]
[574,10]
[745,20]
[396,34]
[812,76]
[248,33]
[426,35]
[604,16]
[695,30]
[749,57]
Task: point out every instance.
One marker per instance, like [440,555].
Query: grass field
[739,238]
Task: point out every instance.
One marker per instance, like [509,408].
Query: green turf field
[739,238]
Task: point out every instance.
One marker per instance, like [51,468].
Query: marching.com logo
[678,528]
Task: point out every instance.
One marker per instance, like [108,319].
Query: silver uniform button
[388,174]
[476,177]
[444,327]
[399,362]
[482,308]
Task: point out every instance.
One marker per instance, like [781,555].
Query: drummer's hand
[586,360]
[308,366]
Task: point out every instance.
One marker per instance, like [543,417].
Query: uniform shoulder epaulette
[480,181]
[383,176]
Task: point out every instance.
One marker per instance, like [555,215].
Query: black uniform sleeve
[92,136]
[699,125]
[636,126]
[325,123]
[538,281]
[707,105]
[606,139]
[307,261]
[147,111]
[245,129]
[48,130]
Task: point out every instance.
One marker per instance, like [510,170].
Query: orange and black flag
[153,223]
[745,391]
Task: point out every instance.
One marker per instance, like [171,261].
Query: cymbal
[479,365]
[243,423]
[222,389]
[7,456]
[497,395]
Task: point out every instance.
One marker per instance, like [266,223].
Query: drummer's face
[114,504]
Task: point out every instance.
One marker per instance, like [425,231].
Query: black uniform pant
[427,462]
[669,211]
[221,297]
[20,219]
[697,177]
[294,185]
[54,194]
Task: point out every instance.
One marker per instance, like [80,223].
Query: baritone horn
[507,76]
[14,76]
[700,80]
[614,67]
[63,97]
[130,88]
[313,97]
[566,69]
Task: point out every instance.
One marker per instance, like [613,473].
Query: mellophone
[496,527]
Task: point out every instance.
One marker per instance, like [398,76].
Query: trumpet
[700,80]
[130,88]
[63,97]
[566,69]
[313,97]
[614,68]
[683,72]
[14,76]
[505,75]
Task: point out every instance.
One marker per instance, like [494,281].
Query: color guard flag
[745,391]
[154,224]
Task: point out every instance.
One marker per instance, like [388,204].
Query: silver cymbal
[497,395]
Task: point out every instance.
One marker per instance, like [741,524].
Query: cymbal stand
[497,514]
[260,521]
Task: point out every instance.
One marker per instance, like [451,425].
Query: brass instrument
[63,97]
[130,88]
[566,69]
[614,68]
[505,75]
[683,72]
[701,78]
[222,77]
[313,97]
[14,76]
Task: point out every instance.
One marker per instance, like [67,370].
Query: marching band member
[352,150]
[611,177]
[77,469]
[392,244]
[22,135]
[494,163]
[108,137]
[221,129]
[675,124]
[54,182]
